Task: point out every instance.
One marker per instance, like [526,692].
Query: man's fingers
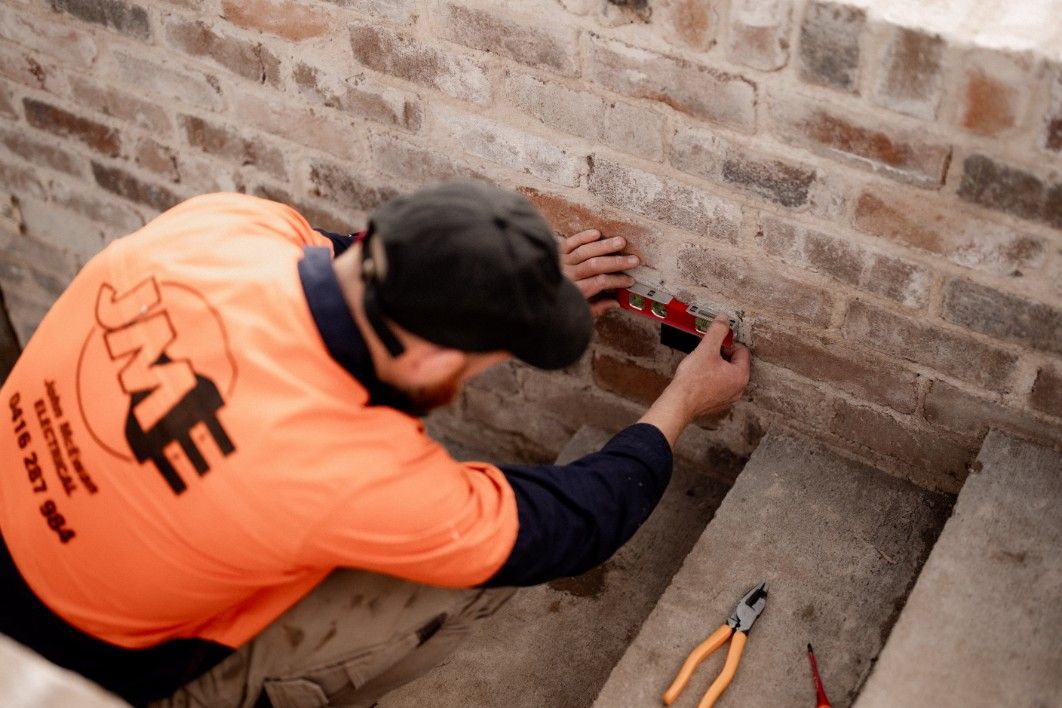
[599,283]
[574,241]
[601,264]
[740,356]
[717,331]
[601,247]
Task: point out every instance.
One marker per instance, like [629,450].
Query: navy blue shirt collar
[341,335]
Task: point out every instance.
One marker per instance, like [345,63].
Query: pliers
[737,626]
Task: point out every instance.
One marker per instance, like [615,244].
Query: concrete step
[839,543]
[554,645]
[983,625]
[28,680]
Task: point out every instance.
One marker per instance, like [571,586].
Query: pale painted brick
[995,92]
[360,95]
[31,69]
[57,39]
[690,23]
[619,124]
[347,187]
[121,105]
[759,33]
[691,88]
[911,80]
[250,60]
[830,36]
[313,128]
[128,18]
[398,54]
[175,85]
[227,142]
[1003,315]
[68,230]
[79,197]
[413,164]
[971,415]
[289,19]
[511,147]
[552,46]
[33,149]
[903,281]
[1051,134]
[755,283]
[398,11]
[1046,392]
[970,241]
[903,154]
[664,199]
[923,342]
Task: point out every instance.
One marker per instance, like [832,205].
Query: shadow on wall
[9,348]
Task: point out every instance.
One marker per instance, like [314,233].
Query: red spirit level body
[667,309]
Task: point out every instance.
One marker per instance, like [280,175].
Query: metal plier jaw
[748,609]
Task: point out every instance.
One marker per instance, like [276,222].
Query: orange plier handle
[733,657]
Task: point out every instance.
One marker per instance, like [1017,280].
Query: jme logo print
[159,353]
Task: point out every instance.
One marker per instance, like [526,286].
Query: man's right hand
[704,382]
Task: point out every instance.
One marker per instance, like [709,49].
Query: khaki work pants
[354,638]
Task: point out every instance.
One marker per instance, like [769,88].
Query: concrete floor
[840,544]
[554,645]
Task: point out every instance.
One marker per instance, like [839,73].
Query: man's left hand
[596,265]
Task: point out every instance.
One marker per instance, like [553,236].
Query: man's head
[456,277]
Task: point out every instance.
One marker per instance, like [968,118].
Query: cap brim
[563,339]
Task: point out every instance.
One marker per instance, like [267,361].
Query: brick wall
[879,189]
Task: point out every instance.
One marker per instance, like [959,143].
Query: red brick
[6,107]
[829,45]
[360,95]
[131,187]
[929,344]
[99,137]
[759,33]
[158,158]
[628,334]
[903,439]
[664,199]
[695,89]
[618,124]
[407,162]
[224,141]
[124,17]
[911,80]
[900,154]
[492,410]
[1046,393]
[314,128]
[691,23]
[868,377]
[316,215]
[29,69]
[971,416]
[511,147]
[761,286]
[1003,315]
[969,241]
[180,88]
[87,201]
[247,59]
[289,19]
[17,178]
[568,218]
[1011,190]
[400,11]
[627,379]
[577,403]
[346,187]
[795,400]
[995,92]
[878,273]
[56,38]
[402,56]
[552,46]
[41,154]
[120,105]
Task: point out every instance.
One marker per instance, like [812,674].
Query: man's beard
[427,398]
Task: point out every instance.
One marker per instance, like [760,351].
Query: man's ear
[428,364]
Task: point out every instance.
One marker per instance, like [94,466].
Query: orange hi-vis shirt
[182,457]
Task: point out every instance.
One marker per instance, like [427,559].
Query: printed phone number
[56,521]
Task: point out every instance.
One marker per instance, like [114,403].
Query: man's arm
[576,516]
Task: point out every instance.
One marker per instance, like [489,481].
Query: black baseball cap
[473,267]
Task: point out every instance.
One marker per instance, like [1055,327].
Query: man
[216,490]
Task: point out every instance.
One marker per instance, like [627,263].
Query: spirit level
[663,307]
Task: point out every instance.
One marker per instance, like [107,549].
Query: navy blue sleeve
[573,517]
[340,242]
